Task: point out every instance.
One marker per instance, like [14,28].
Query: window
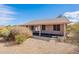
[32,27]
[43,27]
[56,27]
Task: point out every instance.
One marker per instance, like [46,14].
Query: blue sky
[23,13]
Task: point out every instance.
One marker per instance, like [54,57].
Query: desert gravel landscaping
[37,46]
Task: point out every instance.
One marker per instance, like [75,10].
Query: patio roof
[59,20]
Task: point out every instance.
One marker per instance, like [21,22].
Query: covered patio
[50,27]
[40,30]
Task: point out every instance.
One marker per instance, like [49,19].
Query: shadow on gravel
[44,38]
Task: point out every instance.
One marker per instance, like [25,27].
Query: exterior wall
[36,27]
[49,29]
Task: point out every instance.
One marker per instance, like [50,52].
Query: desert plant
[19,34]
[15,33]
[20,38]
[4,32]
[75,38]
[21,30]
[73,33]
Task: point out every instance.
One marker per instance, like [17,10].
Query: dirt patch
[39,46]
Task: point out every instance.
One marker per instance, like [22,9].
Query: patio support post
[65,35]
[40,30]
[28,27]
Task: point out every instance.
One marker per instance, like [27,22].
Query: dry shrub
[16,33]
[21,30]
[19,34]
[20,38]
[4,33]
[73,34]
[74,39]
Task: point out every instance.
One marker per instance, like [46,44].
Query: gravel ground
[36,46]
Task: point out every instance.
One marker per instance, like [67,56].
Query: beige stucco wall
[49,29]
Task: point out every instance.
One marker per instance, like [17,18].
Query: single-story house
[49,27]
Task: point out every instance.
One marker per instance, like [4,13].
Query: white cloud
[6,13]
[72,16]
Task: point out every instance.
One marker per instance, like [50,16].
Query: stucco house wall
[49,29]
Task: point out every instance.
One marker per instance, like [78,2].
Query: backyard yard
[34,46]
[18,39]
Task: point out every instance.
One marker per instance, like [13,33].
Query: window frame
[32,27]
[44,27]
[56,27]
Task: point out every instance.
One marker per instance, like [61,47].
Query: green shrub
[4,32]
[20,38]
